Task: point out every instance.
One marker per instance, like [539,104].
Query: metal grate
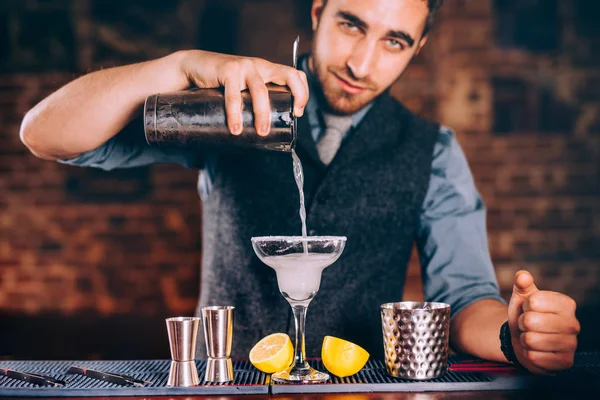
[373,378]
[248,380]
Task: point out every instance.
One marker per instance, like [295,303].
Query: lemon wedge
[273,353]
[343,358]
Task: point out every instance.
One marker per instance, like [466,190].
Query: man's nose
[362,59]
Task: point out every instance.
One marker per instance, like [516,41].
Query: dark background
[92,262]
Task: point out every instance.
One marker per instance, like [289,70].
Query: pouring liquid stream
[299,176]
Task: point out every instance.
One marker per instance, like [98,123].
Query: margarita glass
[298,262]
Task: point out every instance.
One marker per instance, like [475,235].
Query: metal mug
[416,339]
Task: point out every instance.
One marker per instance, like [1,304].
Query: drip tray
[248,380]
[465,374]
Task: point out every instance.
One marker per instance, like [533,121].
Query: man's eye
[395,44]
[349,26]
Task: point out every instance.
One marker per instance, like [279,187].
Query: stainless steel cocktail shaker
[198,118]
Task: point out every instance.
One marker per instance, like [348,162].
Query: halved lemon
[341,357]
[273,353]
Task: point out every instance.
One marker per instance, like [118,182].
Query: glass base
[306,374]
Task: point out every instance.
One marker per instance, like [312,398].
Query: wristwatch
[506,344]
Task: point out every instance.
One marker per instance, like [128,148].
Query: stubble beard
[337,100]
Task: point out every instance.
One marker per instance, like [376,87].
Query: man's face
[361,47]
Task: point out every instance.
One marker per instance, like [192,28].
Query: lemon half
[273,353]
[341,357]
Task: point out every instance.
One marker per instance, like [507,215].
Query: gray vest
[372,193]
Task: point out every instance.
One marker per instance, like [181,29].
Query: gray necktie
[329,142]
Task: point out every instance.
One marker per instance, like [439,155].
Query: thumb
[523,287]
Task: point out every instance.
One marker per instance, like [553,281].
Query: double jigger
[218,333]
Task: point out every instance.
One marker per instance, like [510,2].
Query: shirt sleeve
[456,266]
[129,149]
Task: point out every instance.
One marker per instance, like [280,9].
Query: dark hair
[434,6]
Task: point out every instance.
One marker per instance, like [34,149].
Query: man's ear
[421,44]
[315,13]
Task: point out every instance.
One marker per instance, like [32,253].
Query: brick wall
[84,245]
[531,135]
[82,251]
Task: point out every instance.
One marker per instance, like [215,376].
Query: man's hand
[542,325]
[234,73]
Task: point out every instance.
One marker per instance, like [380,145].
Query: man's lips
[349,87]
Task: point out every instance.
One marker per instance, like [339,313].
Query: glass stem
[299,351]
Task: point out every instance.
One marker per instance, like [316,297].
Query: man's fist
[543,326]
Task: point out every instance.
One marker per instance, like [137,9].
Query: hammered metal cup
[416,339]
